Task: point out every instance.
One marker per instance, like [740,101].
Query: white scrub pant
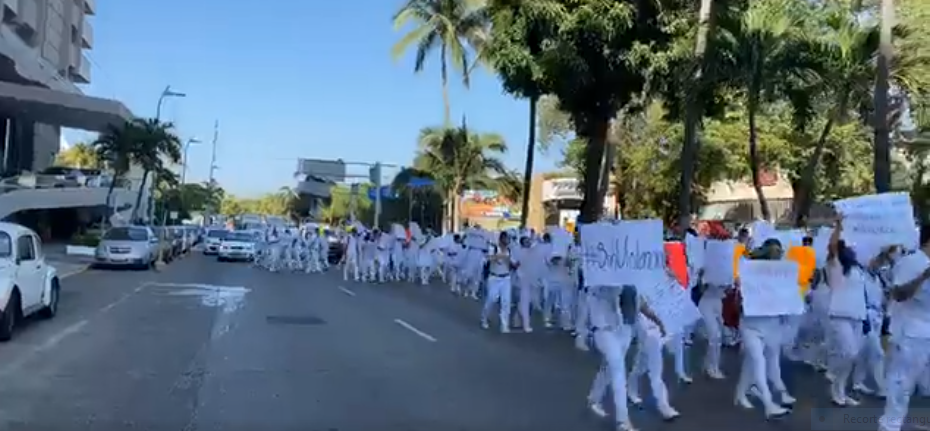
[908,359]
[499,291]
[761,349]
[845,338]
[613,344]
[649,360]
[711,308]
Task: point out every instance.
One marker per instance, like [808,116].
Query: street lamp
[168,92]
[187,146]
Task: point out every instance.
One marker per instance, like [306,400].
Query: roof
[14,229]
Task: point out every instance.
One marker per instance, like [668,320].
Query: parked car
[238,245]
[213,239]
[165,244]
[127,246]
[28,284]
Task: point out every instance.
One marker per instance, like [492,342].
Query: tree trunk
[528,167]
[593,205]
[804,198]
[135,209]
[456,208]
[444,70]
[754,156]
[882,139]
[607,164]
[692,144]
[109,205]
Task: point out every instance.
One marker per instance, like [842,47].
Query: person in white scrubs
[909,352]
[614,312]
[761,349]
[847,311]
[500,270]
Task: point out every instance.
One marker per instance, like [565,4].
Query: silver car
[213,239]
[129,246]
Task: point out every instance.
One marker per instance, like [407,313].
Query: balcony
[90,7]
[87,35]
[79,70]
[26,18]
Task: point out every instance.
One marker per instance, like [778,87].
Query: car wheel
[54,295]
[9,317]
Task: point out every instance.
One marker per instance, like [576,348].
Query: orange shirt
[805,258]
[738,253]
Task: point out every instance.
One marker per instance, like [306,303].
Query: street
[207,346]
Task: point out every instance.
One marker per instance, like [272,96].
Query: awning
[70,110]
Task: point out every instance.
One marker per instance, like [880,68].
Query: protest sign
[872,222]
[695,250]
[718,269]
[761,230]
[770,288]
[627,252]
[672,304]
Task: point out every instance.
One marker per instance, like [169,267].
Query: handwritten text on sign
[875,221]
[770,288]
[673,305]
[628,252]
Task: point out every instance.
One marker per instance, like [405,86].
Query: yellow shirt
[738,253]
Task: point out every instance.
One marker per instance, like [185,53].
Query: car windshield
[217,234]
[6,245]
[126,234]
[240,236]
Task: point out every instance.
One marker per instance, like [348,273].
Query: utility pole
[212,180]
[216,136]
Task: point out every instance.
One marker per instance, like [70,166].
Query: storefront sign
[561,189]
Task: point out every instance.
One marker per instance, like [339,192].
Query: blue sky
[285,79]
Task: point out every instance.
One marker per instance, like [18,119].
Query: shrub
[87,239]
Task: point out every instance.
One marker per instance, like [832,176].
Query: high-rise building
[43,45]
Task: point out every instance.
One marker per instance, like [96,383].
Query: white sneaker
[863,389]
[597,409]
[633,398]
[669,414]
[484,325]
[776,412]
[685,379]
[743,402]
[505,329]
[625,426]
[786,398]
[716,374]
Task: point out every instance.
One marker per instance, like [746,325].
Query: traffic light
[374,174]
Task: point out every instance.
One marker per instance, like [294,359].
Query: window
[25,248]
[6,245]
[127,234]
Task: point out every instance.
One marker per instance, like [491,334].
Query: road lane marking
[346,291]
[48,344]
[125,296]
[74,272]
[413,329]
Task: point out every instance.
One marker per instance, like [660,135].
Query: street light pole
[166,93]
[187,146]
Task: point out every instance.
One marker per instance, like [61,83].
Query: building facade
[42,44]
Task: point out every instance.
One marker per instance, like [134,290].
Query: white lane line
[73,272]
[413,329]
[125,296]
[346,291]
[56,339]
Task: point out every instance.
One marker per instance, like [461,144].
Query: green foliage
[89,239]
[80,155]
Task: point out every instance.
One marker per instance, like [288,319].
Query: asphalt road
[207,346]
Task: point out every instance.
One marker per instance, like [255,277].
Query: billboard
[331,170]
[488,204]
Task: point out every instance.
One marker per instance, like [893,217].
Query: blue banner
[386,193]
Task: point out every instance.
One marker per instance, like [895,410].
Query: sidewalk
[65,264]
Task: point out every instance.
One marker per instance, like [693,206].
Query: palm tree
[693,105]
[763,52]
[115,147]
[156,143]
[445,25]
[458,159]
[882,144]
[79,156]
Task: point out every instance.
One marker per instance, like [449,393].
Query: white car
[28,284]
[213,239]
[238,245]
